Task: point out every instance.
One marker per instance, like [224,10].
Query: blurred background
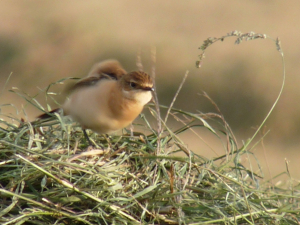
[44,41]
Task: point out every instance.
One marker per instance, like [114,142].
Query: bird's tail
[45,117]
[50,114]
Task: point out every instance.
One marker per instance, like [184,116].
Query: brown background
[43,41]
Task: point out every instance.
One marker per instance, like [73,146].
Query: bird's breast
[103,107]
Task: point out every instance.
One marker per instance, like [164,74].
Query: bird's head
[137,85]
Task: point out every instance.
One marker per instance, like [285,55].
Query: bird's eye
[132,84]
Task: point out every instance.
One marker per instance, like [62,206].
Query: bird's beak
[148,89]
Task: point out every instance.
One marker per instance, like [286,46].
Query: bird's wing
[91,81]
[109,69]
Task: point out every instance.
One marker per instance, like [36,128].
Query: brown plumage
[108,69]
[108,99]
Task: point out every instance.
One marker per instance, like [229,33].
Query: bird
[108,99]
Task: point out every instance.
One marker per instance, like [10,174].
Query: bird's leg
[87,138]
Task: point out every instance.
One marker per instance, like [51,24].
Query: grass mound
[48,177]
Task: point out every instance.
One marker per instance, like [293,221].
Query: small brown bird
[108,99]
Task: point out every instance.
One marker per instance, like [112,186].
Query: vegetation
[48,176]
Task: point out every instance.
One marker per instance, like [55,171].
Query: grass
[47,175]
